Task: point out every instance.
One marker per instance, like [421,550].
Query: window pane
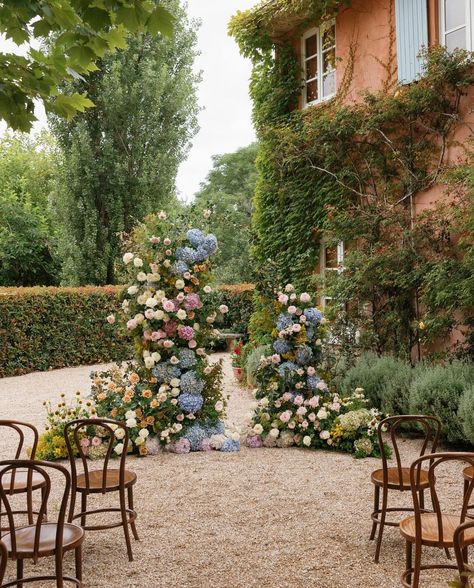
[329,84]
[312,91]
[455,13]
[311,46]
[329,37]
[329,61]
[311,68]
[331,257]
[456,39]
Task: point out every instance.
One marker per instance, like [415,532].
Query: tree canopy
[79,32]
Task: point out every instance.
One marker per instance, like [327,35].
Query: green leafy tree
[79,32]
[121,158]
[27,227]
[228,193]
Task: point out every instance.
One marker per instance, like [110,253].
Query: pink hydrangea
[206,444]
[192,301]
[170,328]
[254,441]
[186,332]
[181,446]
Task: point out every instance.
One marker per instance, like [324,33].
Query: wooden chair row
[42,538]
[426,527]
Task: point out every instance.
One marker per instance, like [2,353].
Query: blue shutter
[412,35]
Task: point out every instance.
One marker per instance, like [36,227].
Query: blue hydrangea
[201,254]
[281,346]
[180,268]
[164,372]
[210,244]
[191,383]
[186,254]
[190,402]
[313,381]
[214,428]
[196,435]
[187,358]
[304,355]
[286,368]
[284,320]
[230,445]
[310,333]
[195,237]
[313,315]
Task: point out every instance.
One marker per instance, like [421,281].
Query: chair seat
[96,479]
[20,482]
[25,539]
[394,478]
[429,530]
[468,473]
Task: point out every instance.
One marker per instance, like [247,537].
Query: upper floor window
[457,24]
[319,63]
[332,260]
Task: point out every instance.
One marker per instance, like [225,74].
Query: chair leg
[78,562]
[383,514]
[417,567]
[29,505]
[19,572]
[409,558]
[131,507]
[59,570]
[83,508]
[123,510]
[376,508]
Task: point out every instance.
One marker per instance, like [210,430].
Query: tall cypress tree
[120,159]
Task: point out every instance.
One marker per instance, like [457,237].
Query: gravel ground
[259,518]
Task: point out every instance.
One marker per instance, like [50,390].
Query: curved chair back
[19,428]
[429,425]
[460,546]
[74,432]
[432,462]
[3,561]
[41,468]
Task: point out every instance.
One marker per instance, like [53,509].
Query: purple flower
[186,333]
[192,301]
[254,441]
[206,444]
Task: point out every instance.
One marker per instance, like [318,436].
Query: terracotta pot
[238,373]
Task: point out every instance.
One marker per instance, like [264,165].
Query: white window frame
[340,253]
[316,31]
[469,24]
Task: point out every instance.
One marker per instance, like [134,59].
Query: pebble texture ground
[261,518]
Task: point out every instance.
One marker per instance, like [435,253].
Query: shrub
[253,361]
[466,413]
[439,391]
[239,299]
[45,328]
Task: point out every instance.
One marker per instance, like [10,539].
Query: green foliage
[28,231]
[46,328]
[252,363]
[79,32]
[227,193]
[439,391]
[466,413]
[239,299]
[121,158]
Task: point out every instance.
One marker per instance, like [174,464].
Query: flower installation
[294,404]
[171,395]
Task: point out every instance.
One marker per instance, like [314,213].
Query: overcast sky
[225,120]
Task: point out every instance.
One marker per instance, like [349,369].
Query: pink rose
[132,324]
[291,425]
[168,305]
[298,400]
[305,297]
[149,313]
[312,417]
[314,401]
[335,406]
[311,371]
[285,416]
[111,319]
[321,385]
[168,344]
[296,328]
[282,298]
[96,441]
[192,344]
[147,335]
[287,396]
[301,411]
[292,309]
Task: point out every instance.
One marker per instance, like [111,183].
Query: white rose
[132,290]
[130,423]
[274,433]
[144,433]
[223,309]
[141,277]
[156,356]
[111,319]
[307,440]
[127,258]
[235,436]
[322,414]
[181,314]
[119,448]
[139,441]
[289,288]
[159,315]
[151,302]
[162,215]
[207,289]
[175,392]
[179,284]
[137,262]
[119,433]
[139,318]
[175,382]
[130,414]
[149,362]
[258,429]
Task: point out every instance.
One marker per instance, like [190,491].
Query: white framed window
[457,24]
[318,51]
[332,260]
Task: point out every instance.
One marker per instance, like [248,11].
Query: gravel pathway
[261,518]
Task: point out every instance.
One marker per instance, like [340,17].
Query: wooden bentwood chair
[41,539]
[102,481]
[433,529]
[21,481]
[3,561]
[460,549]
[397,478]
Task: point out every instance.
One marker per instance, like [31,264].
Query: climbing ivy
[349,172]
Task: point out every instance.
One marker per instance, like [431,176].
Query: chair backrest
[430,426]
[19,428]
[431,462]
[80,429]
[42,468]
[3,561]
[459,544]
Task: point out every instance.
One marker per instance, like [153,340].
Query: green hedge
[395,387]
[47,328]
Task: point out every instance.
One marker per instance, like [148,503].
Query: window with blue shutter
[412,35]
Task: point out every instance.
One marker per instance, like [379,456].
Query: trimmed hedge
[48,328]
[239,299]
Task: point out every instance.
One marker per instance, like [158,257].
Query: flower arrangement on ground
[294,404]
[236,359]
[171,395]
